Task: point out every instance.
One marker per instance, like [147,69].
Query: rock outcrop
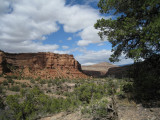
[44,65]
[97,70]
[120,72]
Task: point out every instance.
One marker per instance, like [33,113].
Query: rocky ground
[67,116]
[127,110]
[132,111]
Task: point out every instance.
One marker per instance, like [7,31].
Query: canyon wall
[45,65]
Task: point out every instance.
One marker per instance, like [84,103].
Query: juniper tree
[134,29]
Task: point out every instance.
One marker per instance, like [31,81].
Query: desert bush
[38,79]
[23,85]
[1,89]
[15,88]
[5,82]
[86,110]
[42,81]
[2,105]
[127,87]
[32,81]
[99,110]
[88,91]
[10,80]
[34,101]
[11,77]
[111,87]
[49,84]
[22,92]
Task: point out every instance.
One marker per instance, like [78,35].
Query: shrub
[38,78]
[111,87]
[5,82]
[128,87]
[15,88]
[100,110]
[23,85]
[32,81]
[10,80]
[1,89]
[42,82]
[86,110]
[2,106]
[88,91]
[11,77]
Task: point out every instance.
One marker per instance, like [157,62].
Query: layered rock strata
[45,65]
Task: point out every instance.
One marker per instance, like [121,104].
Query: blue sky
[59,26]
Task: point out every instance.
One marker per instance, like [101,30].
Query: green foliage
[23,92]
[15,88]
[135,29]
[128,87]
[1,89]
[23,85]
[42,81]
[32,81]
[147,79]
[10,80]
[34,101]
[37,79]
[2,106]
[111,87]
[88,91]
[57,81]
[97,109]
[100,110]
[11,77]
[5,82]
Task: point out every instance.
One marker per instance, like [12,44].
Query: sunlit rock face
[43,64]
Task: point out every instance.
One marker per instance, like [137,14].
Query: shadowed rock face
[97,70]
[120,72]
[44,65]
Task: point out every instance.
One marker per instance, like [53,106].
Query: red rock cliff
[44,65]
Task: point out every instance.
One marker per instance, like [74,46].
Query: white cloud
[27,21]
[65,47]
[69,38]
[93,57]
[101,44]
[89,35]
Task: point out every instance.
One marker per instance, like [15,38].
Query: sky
[59,26]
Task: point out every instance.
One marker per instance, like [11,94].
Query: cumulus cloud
[65,47]
[22,22]
[101,44]
[93,57]
[89,35]
[69,38]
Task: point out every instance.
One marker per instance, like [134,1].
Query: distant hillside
[97,70]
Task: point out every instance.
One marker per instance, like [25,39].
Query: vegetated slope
[62,99]
[97,70]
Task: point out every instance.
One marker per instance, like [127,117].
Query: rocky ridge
[43,64]
[98,70]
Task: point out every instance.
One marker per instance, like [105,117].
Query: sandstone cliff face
[44,65]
